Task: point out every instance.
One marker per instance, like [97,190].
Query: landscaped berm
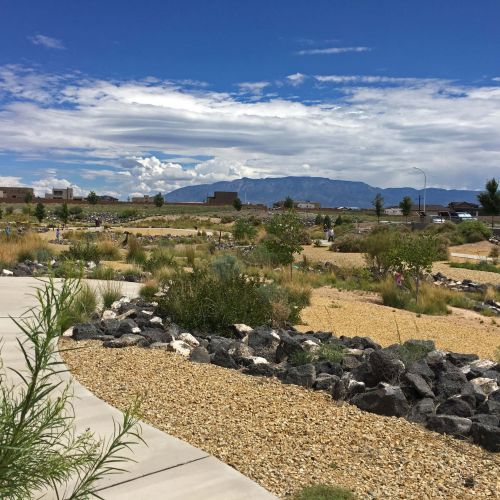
[365,369]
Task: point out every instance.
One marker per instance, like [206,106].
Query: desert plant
[149,289]
[111,291]
[128,213]
[324,492]
[158,200]
[237,205]
[62,212]
[299,357]
[101,272]
[288,203]
[190,254]
[92,198]
[473,266]
[20,247]
[331,352]
[160,257]
[378,205]
[473,231]
[83,250]
[40,211]
[494,254]
[410,353]
[318,221]
[225,266]
[39,446]
[108,250]
[81,308]
[405,206]
[136,253]
[244,229]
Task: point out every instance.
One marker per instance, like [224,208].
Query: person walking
[58,235]
[331,234]
[7,230]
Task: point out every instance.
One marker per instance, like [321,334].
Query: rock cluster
[451,393]
[26,268]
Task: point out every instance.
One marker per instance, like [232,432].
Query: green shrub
[225,266]
[473,231]
[203,301]
[85,251]
[128,213]
[479,266]
[132,273]
[349,243]
[101,272]
[411,353]
[148,290]
[324,492]
[136,253]
[69,269]
[160,257]
[261,256]
[331,352]
[298,358]
[244,229]
[111,291]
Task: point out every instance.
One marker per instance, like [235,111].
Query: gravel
[285,437]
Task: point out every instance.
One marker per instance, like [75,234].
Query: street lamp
[425,183]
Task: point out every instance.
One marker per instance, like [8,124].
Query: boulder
[304,375]
[329,368]
[155,321]
[350,363]
[359,343]
[173,329]
[455,406]
[108,314]
[264,341]
[286,348]
[422,368]
[434,358]
[219,344]
[385,366]
[495,396]
[239,350]
[224,359]
[449,383]
[354,387]
[486,385]
[486,436]
[86,331]
[364,373]
[127,326]
[325,382]
[461,360]
[127,340]
[189,339]
[199,355]
[385,399]
[472,395]
[481,418]
[241,331]
[449,424]
[419,384]
[110,327]
[490,407]
[310,346]
[262,370]
[7,272]
[421,410]
[156,335]
[179,347]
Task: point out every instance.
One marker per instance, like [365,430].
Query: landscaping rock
[286,348]
[189,339]
[127,326]
[86,331]
[264,341]
[241,331]
[199,355]
[350,363]
[127,340]
[386,367]
[179,347]
[448,424]
[108,314]
[239,350]
[262,370]
[421,410]
[157,335]
[329,368]
[419,384]
[461,360]
[449,383]
[304,375]
[486,436]
[224,359]
[385,399]
[422,369]
[359,343]
[490,407]
[325,382]
[455,406]
[486,385]
[111,326]
[219,344]
[364,373]
[481,418]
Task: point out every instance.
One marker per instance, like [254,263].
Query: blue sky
[139,97]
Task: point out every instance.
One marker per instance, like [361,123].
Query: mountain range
[328,192]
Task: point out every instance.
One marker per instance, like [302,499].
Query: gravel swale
[285,437]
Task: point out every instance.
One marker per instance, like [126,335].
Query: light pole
[425,183]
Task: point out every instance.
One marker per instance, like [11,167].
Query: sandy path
[358,313]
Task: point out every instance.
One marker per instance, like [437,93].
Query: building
[62,194]
[142,199]
[306,205]
[464,206]
[222,198]
[15,194]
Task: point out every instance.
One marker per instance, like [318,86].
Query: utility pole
[425,183]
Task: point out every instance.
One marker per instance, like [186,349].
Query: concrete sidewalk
[167,468]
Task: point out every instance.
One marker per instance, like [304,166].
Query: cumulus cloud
[47,41]
[296,79]
[370,132]
[45,185]
[332,50]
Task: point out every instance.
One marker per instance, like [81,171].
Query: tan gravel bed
[480,248]
[323,254]
[285,437]
[360,313]
[461,274]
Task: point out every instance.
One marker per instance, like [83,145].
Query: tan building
[142,199]
[63,194]
[15,194]
[222,198]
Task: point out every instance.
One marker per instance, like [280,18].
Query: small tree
[327,222]
[288,203]
[284,235]
[40,211]
[158,200]
[244,229]
[490,199]
[378,204]
[405,205]
[63,213]
[414,255]
[237,204]
[318,221]
[92,198]
[28,198]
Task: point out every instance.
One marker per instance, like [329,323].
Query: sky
[139,97]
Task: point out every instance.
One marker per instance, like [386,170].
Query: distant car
[438,220]
[465,217]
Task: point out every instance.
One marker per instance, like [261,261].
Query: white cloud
[296,79]
[45,185]
[255,89]
[372,133]
[332,50]
[47,41]
[10,181]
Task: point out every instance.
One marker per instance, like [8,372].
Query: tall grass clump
[86,251]
[108,250]
[19,247]
[40,449]
[149,289]
[190,254]
[324,492]
[111,291]
[81,308]
[136,253]
[160,257]
[101,272]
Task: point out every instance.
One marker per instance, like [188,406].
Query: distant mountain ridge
[329,192]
